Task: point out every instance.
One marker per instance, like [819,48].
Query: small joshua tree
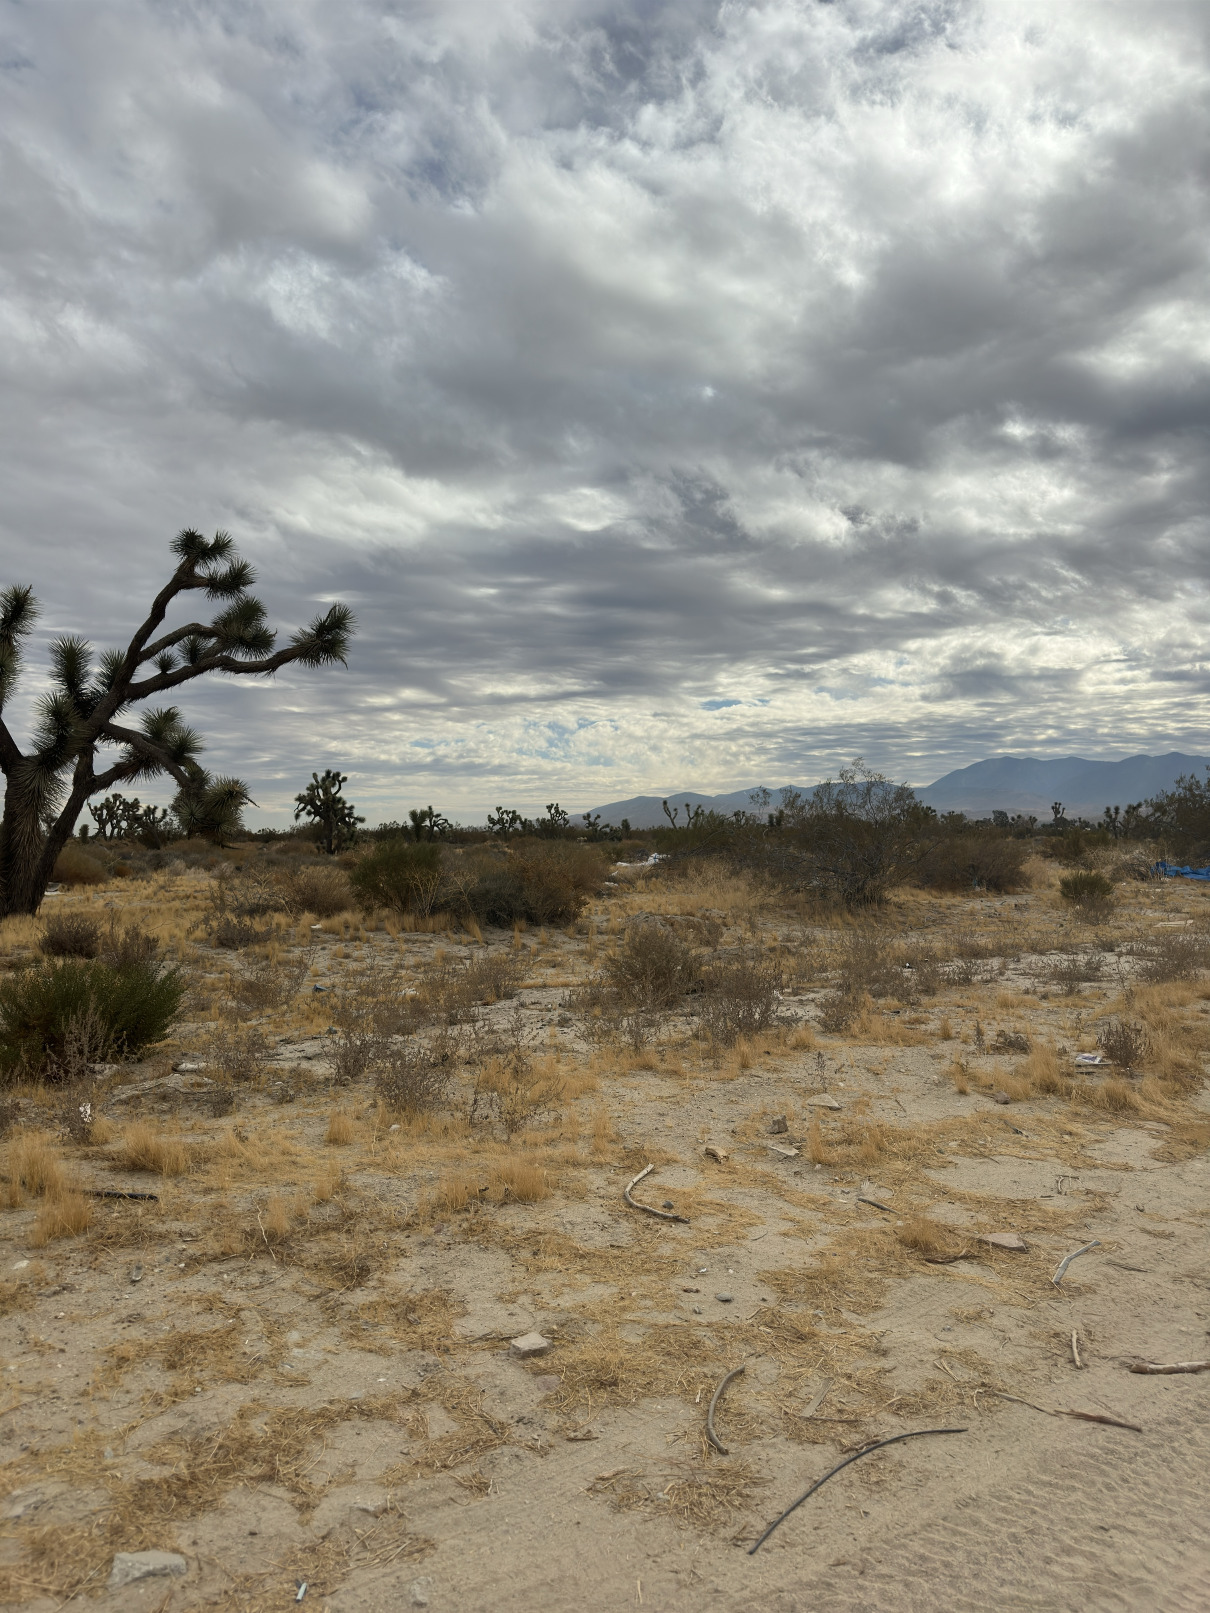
[82,714]
[323,803]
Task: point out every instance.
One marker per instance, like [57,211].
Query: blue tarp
[1171,871]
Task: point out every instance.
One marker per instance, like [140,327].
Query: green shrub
[76,1010]
[400,874]
[1085,886]
[540,882]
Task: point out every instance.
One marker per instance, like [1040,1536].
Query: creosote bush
[43,1008]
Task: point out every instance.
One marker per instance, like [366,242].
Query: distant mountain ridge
[1014,784]
[1029,784]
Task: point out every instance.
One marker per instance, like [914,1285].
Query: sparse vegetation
[348,1095]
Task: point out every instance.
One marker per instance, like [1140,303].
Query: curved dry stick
[660,1215]
[1067,1259]
[894,1440]
[714,1400]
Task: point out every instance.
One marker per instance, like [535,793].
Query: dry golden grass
[342,1129]
[65,1215]
[34,1165]
[144,1148]
[929,1238]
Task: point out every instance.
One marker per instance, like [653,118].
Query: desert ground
[288,1357]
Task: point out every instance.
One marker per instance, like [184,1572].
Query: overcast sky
[683,394]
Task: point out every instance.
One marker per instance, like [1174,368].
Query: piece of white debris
[529,1344]
[783,1149]
[824,1100]
[129,1566]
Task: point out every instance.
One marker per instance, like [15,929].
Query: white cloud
[847,361]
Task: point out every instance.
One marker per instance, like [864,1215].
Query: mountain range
[1014,784]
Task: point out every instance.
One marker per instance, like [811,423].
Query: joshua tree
[323,803]
[47,786]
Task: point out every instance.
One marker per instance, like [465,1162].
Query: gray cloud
[682,393]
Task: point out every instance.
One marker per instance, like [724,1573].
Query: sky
[683,394]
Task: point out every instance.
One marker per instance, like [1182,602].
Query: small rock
[667,1204]
[712,1152]
[724,1299]
[824,1100]
[783,1149]
[1003,1240]
[129,1566]
[1001,1097]
[136,1274]
[420,1589]
[528,1345]
[777,1125]
[395,1127]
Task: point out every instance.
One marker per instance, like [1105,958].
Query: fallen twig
[714,1400]
[862,1199]
[1074,1255]
[660,1215]
[1061,1411]
[915,1433]
[817,1400]
[1075,1350]
[1170,1366]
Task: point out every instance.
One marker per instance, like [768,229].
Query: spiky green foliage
[80,716]
[326,807]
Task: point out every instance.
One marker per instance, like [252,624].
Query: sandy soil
[294,1363]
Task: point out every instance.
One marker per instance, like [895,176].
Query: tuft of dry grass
[146,1149]
[929,1238]
[63,1216]
[521,1180]
[341,1128]
[275,1220]
[34,1166]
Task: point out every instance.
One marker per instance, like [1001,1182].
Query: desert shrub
[322,891]
[123,1011]
[1084,886]
[838,1009]
[1124,1044]
[1073,969]
[402,875]
[74,866]
[264,985]
[852,839]
[235,1054]
[128,947]
[541,882]
[413,1078]
[975,860]
[653,967]
[70,935]
[449,991]
[1179,955]
[739,998]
